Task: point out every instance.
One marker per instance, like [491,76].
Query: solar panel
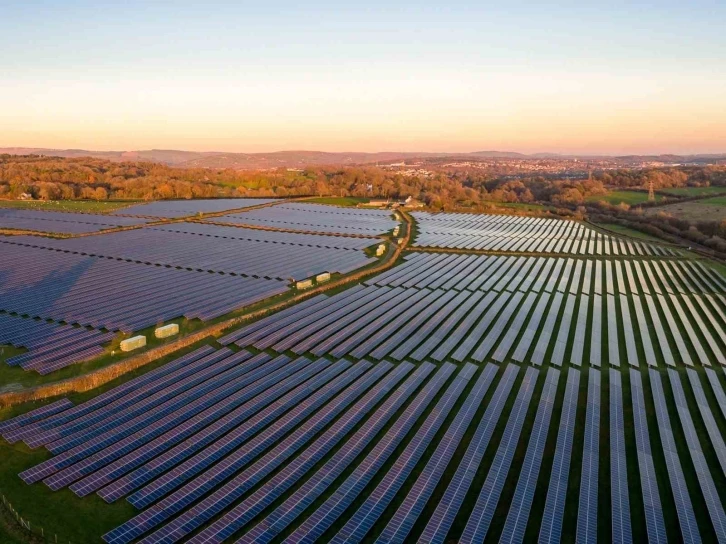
[587,509]
[684,508]
[408,512]
[619,498]
[705,480]
[321,519]
[551,527]
[299,500]
[443,517]
[283,452]
[518,515]
[558,354]
[361,522]
[289,391]
[649,484]
[708,418]
[481,516]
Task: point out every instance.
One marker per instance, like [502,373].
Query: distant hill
[302,159]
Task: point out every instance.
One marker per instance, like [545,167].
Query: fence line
[32,530]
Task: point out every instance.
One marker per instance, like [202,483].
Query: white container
[395,231]
[304,284]
[322,278]
[167,330]
[133,343]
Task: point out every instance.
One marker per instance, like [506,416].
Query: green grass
[627,231]
[339,200]
[718,201]
[628,197]
[693,191]
[523,206]
[15,375]
[88,206]
[63,513]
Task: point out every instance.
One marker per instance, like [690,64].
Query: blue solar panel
[440,522]
[363,519]
[403,520]
[481,516]
[516,522]
[318,373]
[684,508]
[282,451]
[619,498]
[705,480]
[551,528]
[654,521]
[243,513]
[321,519]
[587,510]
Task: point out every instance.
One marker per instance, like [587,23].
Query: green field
[693,191]
[88,206]
[626,231]
[628,197]
[717,201]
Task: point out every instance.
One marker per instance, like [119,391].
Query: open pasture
[710,209]
[632,198]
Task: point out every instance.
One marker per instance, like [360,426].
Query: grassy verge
[338,200]
[87,206]
[626,231]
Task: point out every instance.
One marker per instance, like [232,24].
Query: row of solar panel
[316,218]
[413,323]
[169,209]
[471,272]
[275,237]
[204,254]
[525,234]
[50,346]
[117,295]
[290,414]
[63,222]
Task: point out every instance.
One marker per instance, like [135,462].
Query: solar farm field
[510,379]
[62,222]
[168,209]
[65,300]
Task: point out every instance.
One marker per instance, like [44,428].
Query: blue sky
[242,76]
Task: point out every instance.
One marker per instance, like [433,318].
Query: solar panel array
[62,222]
[296,259]
[316,218]
[220,445]
[412,407]
[169,209]
[49,346]
[476,308]
[117,295]
[524,234]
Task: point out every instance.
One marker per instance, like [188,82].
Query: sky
[568,77]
